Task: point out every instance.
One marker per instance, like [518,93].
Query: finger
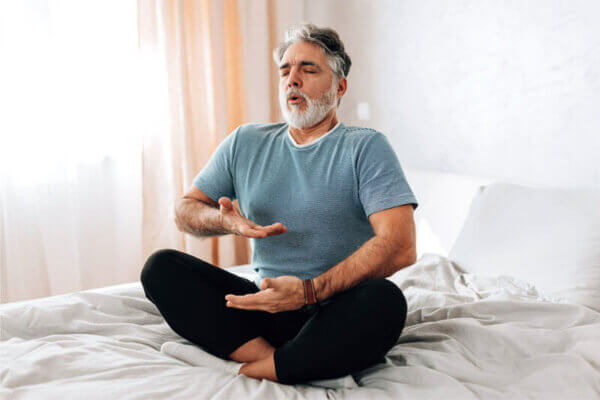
[245,300]
[244,307]
[269,284]
[254,233]
[226,203]
[233,298]
[253,299]
[272,229]
[277,225]
[254,225]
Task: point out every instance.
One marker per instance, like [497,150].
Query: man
[330,216]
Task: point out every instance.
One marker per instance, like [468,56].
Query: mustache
[295,91]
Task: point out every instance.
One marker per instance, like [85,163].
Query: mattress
[466,337]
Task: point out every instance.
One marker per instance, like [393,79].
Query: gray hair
[325,38]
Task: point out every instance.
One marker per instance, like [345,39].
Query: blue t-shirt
[322,191]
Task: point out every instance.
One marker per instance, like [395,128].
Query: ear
[342,86]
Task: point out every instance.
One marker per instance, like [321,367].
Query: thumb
[266,283]
[225,203]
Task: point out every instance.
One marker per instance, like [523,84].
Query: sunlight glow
[71,85]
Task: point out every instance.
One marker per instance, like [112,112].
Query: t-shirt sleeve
[381,181]
[216,178]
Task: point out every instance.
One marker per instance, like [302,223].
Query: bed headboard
[444,200]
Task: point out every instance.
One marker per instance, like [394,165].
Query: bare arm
[201,216]
[199,219]
[392,248]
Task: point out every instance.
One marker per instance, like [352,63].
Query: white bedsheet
[466,337]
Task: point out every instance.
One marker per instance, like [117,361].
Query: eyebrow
[286,65]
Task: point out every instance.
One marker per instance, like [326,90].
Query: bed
[478,326]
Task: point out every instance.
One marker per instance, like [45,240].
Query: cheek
[282,95]
[322,88]
[282,86]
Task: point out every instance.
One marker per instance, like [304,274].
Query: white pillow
[549,237]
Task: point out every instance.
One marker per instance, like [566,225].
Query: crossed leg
[189,293]
[353,331]
[350,333]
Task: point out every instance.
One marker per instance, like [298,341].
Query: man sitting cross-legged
[330,216]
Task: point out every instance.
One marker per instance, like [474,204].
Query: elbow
[412,257]
[178,224]
[406,259]
[176,218]
[412,261]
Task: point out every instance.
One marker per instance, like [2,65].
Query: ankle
[253,350]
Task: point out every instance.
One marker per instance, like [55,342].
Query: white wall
[505,89]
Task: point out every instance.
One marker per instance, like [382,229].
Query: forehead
[304,51]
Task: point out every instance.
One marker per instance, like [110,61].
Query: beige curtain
[122,121]
[202,47]
[70,176]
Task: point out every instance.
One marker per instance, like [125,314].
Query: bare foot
[261,369]
[253,350]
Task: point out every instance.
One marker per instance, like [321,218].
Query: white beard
[315,110]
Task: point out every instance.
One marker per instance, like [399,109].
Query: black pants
[353,330]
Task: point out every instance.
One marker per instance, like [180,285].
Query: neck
[308,134]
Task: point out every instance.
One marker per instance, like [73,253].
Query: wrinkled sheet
[466,337]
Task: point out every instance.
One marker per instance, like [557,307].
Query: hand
[284,293]
[236,223]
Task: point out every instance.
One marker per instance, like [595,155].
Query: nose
[294,79]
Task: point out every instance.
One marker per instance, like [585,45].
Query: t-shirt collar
[314,141]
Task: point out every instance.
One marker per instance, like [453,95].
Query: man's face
[307,88]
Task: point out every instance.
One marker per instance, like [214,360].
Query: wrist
[321,287]
[310,295]
[224,222]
